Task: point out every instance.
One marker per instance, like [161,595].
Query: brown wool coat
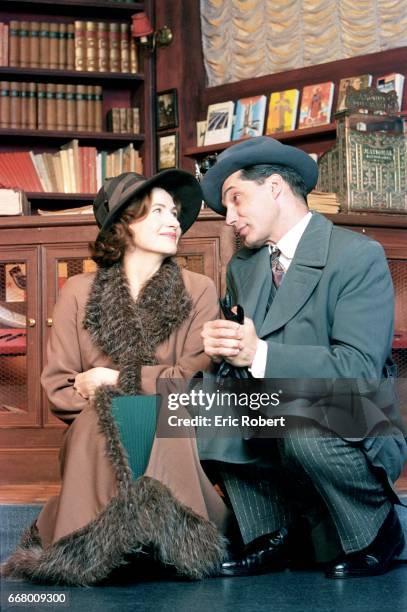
[89,483]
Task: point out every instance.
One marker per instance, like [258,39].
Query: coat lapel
[302,276]
[255,282]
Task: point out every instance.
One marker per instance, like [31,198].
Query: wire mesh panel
[13,337]
[67,267]
[398,269]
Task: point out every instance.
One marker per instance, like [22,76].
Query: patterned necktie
[277,269]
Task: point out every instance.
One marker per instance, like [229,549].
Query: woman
[115,333]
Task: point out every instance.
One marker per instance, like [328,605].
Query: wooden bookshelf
[75,8]
[54,137]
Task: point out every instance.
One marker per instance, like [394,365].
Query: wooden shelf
[74,7]
[56,136]
[38,74]
[328,130]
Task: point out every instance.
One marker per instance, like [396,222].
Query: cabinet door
[59,264]
[19,338]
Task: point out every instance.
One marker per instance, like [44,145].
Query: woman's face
[160,231]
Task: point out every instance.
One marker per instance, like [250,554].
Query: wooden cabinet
[43,252]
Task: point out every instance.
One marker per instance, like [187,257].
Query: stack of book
[123,120]
[323,202]
[73,169]
[93,46]
[50,106]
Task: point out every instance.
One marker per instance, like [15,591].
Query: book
[44,44]
[13,202]
[4,104]
[114,47]
[357,82]
[62,46]
[14,45]
[24,42]
[392,82]
[70,47]
[282,112]
[90,44]
[79,210]
[324,202]
[219,122]
[316,105]
[124,47]
[103,47]
[34,43]
[53,52]
[249,120]
[79,45]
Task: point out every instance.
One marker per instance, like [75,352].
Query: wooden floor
[39,493]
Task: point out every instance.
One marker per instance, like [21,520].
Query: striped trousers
[313,474]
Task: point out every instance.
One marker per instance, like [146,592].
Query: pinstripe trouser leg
[312,461]
[341,474]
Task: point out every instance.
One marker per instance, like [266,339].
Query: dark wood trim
[54,136]
[305,133]
[74,7]
[36,74]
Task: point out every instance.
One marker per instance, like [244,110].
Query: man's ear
[275,184]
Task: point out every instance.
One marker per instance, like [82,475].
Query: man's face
[251,209]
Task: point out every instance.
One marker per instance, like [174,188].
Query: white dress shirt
[287,245]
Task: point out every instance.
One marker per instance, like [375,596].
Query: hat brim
[182,185]
[260,150]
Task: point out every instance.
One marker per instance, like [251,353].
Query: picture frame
[167,109]
[167,154]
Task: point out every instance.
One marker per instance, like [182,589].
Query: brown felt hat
[119,192]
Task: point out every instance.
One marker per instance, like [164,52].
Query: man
[318,301]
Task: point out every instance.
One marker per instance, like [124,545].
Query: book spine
[90,46]
[134,64]
[44,44]
[79,45]
[62,45]
[1,44]
[98,105]
[15,105]
[103,47]
[60,106]
[70,47]
[80,98]
[4,104]
[41,107]
[53,45]
[24,41]
[23,105]
[114,47]
[35,44]
[90,108]
[123,120]
[124,47]
[5,45]
[31,106]
[135,115]
[70,107]
[51,107]
[14,50]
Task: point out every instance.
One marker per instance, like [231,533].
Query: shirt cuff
[258,367]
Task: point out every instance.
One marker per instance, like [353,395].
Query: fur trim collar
[144,512]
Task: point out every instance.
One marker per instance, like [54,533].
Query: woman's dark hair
[260,172]
[110,245]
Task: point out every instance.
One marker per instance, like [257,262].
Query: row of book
[72,169]
[51,106]
[123,120]
[226,121]
[92,46]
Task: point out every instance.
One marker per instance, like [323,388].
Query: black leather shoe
[376,558]
[265,554]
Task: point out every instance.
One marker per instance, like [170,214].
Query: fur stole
[144,512]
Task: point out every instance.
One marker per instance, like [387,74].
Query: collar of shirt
[289,242]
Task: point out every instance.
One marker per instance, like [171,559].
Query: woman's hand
[87,382]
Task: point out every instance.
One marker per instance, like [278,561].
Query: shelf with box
[315,138]
[46,105]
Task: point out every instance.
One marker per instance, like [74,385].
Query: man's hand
[236,344]
[87,382]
